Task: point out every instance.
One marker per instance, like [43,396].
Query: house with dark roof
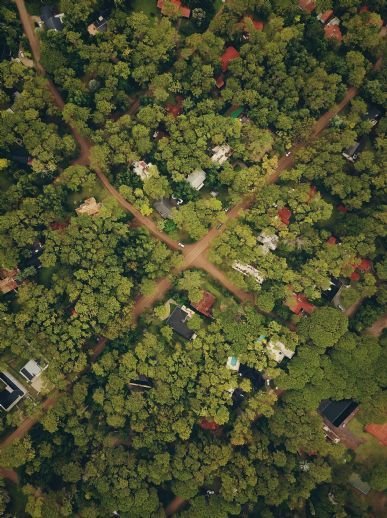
[372,115]
[165,206]
[256,378]
[178,321]
[11,391]
[337,413]
[352,153]
[51,20]
[334,287]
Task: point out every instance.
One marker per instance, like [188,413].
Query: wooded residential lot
[192,258]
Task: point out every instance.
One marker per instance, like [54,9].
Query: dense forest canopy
[192,258]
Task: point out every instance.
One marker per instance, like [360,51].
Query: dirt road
[377,327]
[9,474]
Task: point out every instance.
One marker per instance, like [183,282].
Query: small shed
[100,25]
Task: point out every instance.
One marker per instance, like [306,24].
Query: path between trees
[377,327]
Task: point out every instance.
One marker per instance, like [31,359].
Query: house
[325,16]
[298,304]
[257,24]
[337,413]
[164,207]
[142,169]
[11,391]
[34,252]
[256,378]
[307,5]
[100,25]
[220,154]
[284,215]
[278,351]
[178,321]
[8,280]
[233,363]
[247,269]
[32,370]
[51,20]
[352,153]
[268,241]
[219,81]
[196,179]
[205,424]
[379,431]
[205,304]
[228,55]
[237,113]
[335,286]
[332,30]
[183,11]
[372,115]
[356,482]
[90,207]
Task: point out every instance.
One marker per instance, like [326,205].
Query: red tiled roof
[183,11]
[258,24]
[333,32]
[284,215]
[355,276]
[297,303]
[332,240]
[379,431]
[208,425]
[342,208]
[364,9]
[177,108]
[229,54]
[324,17]
[307,5]
[204,306]
[56,225]
[219,81]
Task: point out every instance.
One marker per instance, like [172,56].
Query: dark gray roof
[9,397]
[177,320]
[329,294]
[165,206]
[337,411]
[373,114]
[47,14]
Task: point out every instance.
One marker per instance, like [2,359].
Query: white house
[142,169]
[278,351]
[269,242]
[221,154]
[247,269]
[196,179]
[32,370]
[233,363]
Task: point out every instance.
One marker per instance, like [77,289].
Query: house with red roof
[205,304]
[284,215]
[325,16]
[258,24]
[332,240]
[299,304]
[307,5]
[332,30]
[228,55]
[183,11]
[364,266]
[205,424]
[176,109]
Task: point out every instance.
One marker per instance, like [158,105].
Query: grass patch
[371,450]
[148,7]
[18,501]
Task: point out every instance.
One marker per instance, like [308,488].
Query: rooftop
[196,179]
[12,393]
[185,12]
[307,5]
[32,370]
[51,20]
[298,304]
[178,321]
[278,351]
[205,304]
[228,55]
[221,154]
[284,215]
[336,412]
[90,207]
[100,25]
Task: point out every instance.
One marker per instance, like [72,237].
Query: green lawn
[371,450]
[148,7]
